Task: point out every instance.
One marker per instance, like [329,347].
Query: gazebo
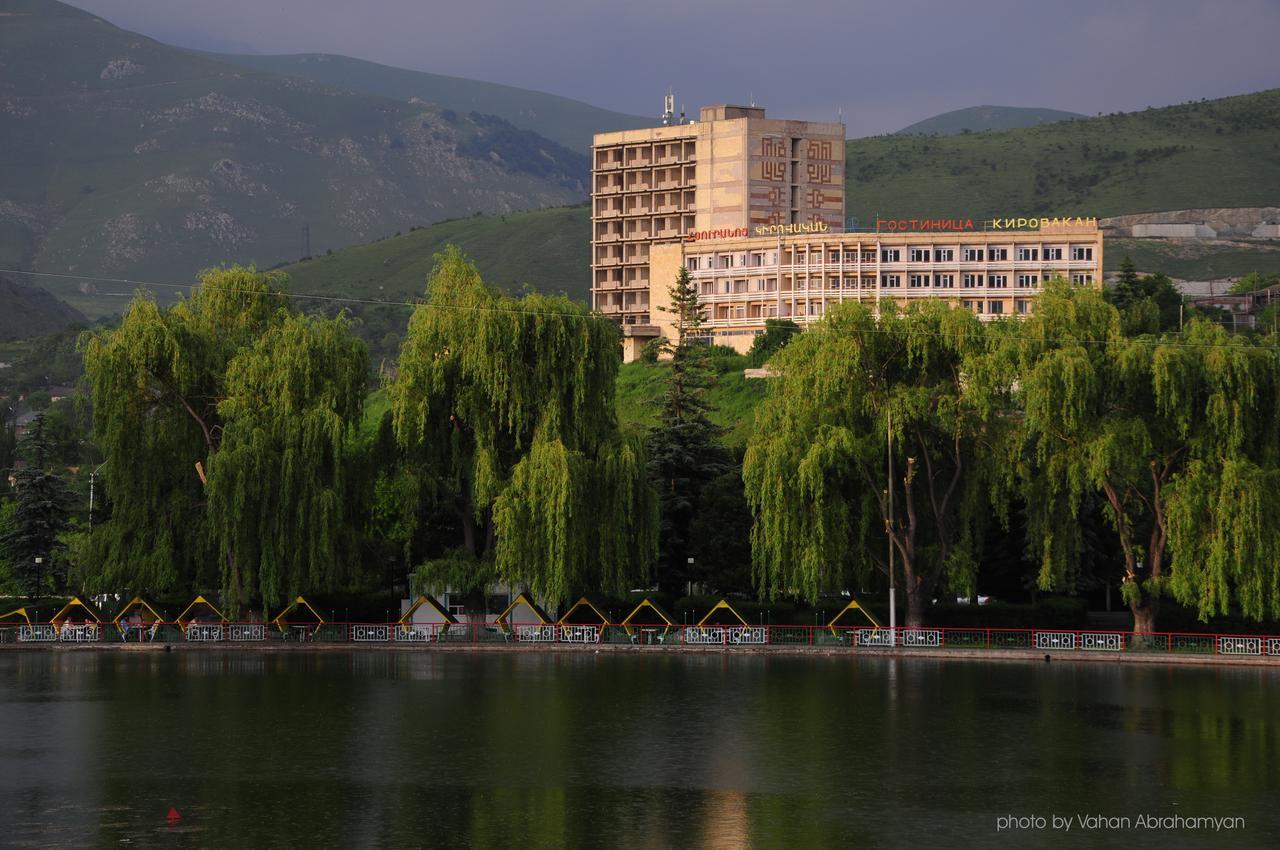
[140,614]
[722,614]
[300,616]
[854,612]
[16,615]
[425,618]
[77,606]
[199,609]
[584,612]
[523,611]
[647,616]
[77,610]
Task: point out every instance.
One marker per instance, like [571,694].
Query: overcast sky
[886,63]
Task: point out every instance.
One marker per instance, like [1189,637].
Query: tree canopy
[506,406]
[220,419]
[815,470]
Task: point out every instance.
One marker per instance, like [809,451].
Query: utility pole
[888,527]
[92,476]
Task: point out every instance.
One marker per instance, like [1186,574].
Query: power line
[343,299]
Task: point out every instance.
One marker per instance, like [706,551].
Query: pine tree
[42,511]
[685,452]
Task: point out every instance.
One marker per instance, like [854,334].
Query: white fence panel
[1055,640]
[247,631]
[1239,645]
[364,633]
[39,633]
[205,632]
[921,637]
[536,634]
[875,637]
[579,634]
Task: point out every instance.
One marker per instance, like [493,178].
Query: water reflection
[551,750]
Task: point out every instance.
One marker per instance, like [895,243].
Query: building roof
[73,603]
[431,602]
[588,606]
[142,605]
[722,605]
[652,606]
[185,617]
[524,598]
[854,605]
[300,603]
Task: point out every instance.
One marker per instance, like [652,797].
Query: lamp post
[893,612]
[39,574]
[92,476]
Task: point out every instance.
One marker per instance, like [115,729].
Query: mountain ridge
[977,119]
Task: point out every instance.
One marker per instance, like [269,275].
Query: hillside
[568,122]
[27,311]
[1218,153]
[124,157]
[978,119]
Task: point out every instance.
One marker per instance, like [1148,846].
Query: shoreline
[959,654]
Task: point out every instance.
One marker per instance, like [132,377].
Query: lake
[527,749]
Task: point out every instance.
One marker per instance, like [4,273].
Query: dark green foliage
[777,333]
[685,452]
[41,513]
[504,408]
[1148,304]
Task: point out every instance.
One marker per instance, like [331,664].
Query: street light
[93,475]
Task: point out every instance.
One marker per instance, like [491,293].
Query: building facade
[754,209]
[730,171]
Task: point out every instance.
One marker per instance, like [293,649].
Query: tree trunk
[1144,614]
[916,603]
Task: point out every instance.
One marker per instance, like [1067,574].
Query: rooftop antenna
[668,108]
[751,97]
[682,113]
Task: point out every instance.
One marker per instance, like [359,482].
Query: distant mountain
[569,122]
[975,119]
[27,311]
[1206,154]
[125,157]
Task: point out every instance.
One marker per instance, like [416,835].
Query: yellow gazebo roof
[199,600]
[652,606]
[523,598]
[723,605]
[299,602]
[17,612]
[587,603]
[854,605]
[138,602]
[430,601]
[76,602]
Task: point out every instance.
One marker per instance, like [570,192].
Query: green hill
[122,156]
[977,119]
[1218,153]
[569,122]
[27,311]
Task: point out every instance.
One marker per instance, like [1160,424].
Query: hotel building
[754,208]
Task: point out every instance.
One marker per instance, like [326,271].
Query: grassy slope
[733,397]
[1195,260]
[1220,153]
[547,249]
[561,119]
[976,119]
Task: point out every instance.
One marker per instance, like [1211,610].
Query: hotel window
[944,281]
[997,281]
[943,255]
[890,255]
[868,256]
[1028,254]
[1052,254]
[1028,281]
[726,261]
[971,255]
[919,255]
[997,255]
[1022,306]
[890,281]
[1082,279]
[692,264]
[1082,252]
[849,257]
[995,308]
[834,258]
[975,306]
[918,281]
[971,281]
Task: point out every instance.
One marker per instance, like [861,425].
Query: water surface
[362,749]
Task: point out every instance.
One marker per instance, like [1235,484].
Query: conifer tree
[42,511]
[685,452]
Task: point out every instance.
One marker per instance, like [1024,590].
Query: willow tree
[1162,428]
[507,407]
[816,468]
[231,367]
